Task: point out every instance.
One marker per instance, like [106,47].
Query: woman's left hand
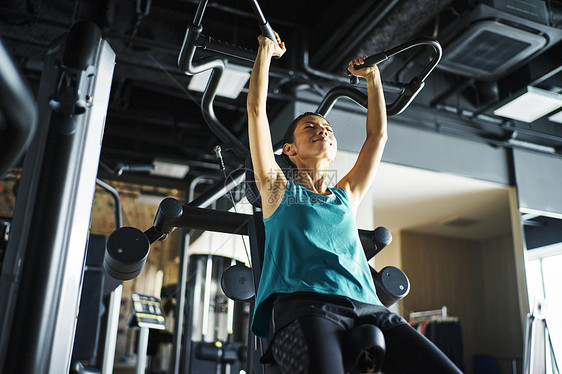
[363,72]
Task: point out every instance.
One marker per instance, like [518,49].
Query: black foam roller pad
[126,253]
[237,283]
[391,284]
[395,281]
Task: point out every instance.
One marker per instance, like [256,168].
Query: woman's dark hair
[289,136]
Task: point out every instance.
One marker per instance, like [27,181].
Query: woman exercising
[315,280]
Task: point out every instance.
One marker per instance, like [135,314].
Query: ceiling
[152,114]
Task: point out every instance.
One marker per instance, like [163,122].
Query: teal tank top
[311,245]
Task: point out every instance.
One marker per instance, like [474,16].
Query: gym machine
[43,266]
[172,214]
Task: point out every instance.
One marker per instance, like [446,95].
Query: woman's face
[314,137]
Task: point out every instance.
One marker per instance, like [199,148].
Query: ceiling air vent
[489,48]
[489,43]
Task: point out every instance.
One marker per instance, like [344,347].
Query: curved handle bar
[411,89]
[341,91]
[18,108]
[380,57]
[409,92]
[187,65]
[217,65]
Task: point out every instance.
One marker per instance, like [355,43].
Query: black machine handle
[383,56]
[267,31]
[265,27]
[409,90]
[368,62]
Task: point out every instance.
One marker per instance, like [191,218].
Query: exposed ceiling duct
[402,23]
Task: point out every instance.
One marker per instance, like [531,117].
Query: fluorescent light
[531,105]
[150,199]
[232,81]
[169,169]
[557,117]
[529,145]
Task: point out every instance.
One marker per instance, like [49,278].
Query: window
[544,283]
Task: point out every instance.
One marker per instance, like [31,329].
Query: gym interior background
[471,176]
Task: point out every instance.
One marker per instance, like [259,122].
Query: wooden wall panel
[476,281]
[504,333]
[446,272]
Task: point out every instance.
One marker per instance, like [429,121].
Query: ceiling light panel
[531,105]
[232,82]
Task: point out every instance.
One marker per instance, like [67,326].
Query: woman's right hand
[365,71]
[277,48]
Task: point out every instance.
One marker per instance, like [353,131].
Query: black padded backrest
[257,245]
[252,193]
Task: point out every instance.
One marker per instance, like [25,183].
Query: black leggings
[312,344]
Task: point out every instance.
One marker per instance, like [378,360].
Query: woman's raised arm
[361,176]
[270,179]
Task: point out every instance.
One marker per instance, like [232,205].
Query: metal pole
[180,307]
[142,346]
[116,199]
[219,190]
[207,297]
[111,330]
[112,326]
